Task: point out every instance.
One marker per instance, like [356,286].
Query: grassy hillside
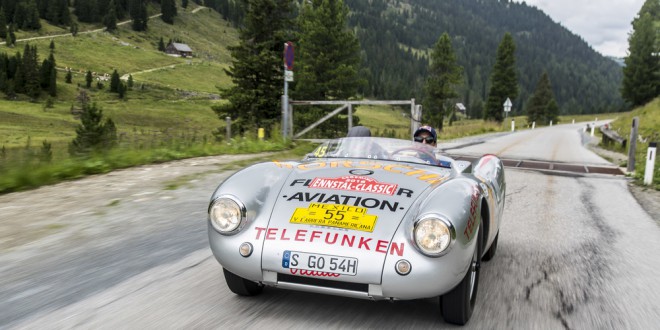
[171,96]
[649,131]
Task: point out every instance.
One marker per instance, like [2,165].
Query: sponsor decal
[335,215]
[472,219]
[330,239]
[354,183]
[304,272]
[419,174]
[306,183]
[370,203]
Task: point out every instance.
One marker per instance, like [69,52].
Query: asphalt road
[122,251]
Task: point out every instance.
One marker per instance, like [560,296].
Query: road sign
[288,55]
[507,105]
[288,75]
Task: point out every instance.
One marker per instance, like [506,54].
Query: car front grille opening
[359,287]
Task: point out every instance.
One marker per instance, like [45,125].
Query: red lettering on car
[381,246]
[259,230]
[300,235]
[315,234]
[270,234]
[282,238]
[364,242]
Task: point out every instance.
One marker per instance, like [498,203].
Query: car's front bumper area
[428,277]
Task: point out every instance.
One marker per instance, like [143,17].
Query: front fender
[459,200]
[258,187]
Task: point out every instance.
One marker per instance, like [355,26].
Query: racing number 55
[336,214]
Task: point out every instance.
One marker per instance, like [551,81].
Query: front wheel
[241,286]
[493,247]
[457,305]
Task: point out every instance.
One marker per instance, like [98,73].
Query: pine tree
[444,75]
[86,10]
[130,81]
[552,111]
[32,21]
[52,45]
[256,69]
[92,134]
[328,60]
[504,79]
[114,82]
[74,29]
[161,45]
[69,77]
[138,12]
[57,12]
[3,24]
[64,15]
[168,9]
[641,75]
[11,37]
[121,90]
[52,85]
[45,73]
[538,104]
[88,79]
[110,19]
[31,69]
[184,4]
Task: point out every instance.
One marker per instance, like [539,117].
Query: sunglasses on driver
[428,139]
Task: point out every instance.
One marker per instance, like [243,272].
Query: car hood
[347,208]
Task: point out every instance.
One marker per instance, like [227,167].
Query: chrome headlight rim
[242,211]
[434,217]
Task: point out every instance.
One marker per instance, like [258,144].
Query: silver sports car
[361,217]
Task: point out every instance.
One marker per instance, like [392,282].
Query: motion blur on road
[122,250]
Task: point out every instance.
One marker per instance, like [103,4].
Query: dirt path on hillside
[91,31]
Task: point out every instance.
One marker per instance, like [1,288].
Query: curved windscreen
[379,149]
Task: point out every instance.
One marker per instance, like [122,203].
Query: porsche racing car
[362,217]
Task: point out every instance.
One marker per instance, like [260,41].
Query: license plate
[320,262]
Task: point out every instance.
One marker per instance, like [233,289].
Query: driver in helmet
[427,135]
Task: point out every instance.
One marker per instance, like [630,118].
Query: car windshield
[377,148]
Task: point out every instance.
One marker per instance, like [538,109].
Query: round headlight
[433,235]
[226,215]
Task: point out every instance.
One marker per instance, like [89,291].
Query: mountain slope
[396,36]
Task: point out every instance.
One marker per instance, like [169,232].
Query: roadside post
[261,133]
[633,145]
[551,123]
[533,124]
[650,163]
[513,125]
[228,128]
[507,107]
[593,127]
[573,121]
[288,76]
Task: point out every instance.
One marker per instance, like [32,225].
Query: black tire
[457,305]
[493,248]
[241,286]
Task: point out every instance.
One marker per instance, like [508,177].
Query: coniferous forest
[396,38]
[396,34]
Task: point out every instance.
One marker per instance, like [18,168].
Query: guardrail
[610,136]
